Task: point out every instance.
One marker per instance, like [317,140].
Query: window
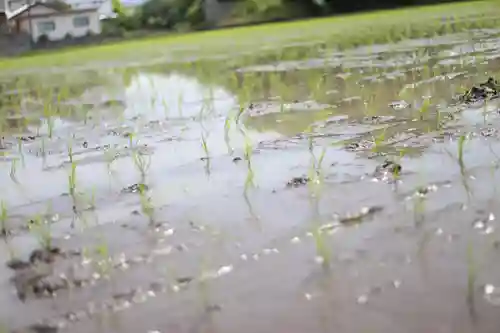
[46,26]
[81,21]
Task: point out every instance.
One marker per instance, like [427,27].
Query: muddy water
[239,229]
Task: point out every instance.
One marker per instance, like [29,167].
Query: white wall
[63,26]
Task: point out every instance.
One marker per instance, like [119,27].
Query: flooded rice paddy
[349,191]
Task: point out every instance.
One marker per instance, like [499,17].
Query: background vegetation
[189,15]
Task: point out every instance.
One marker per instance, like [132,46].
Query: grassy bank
[342,31]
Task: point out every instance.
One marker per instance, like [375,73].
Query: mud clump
[34,281]
[135,188]
[485,91]
[33,277]
[359,146]
[399,105]
[298,181]
[38,328]
[358,217]
[47,256]
[184,279]
[488,132]
[389,166]
[27,138]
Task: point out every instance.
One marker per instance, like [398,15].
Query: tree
[118,8]
[169,13]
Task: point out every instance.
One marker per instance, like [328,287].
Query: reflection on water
[159,96]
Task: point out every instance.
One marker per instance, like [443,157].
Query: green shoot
[21,153]
[165,107]
[227,129]
[461,143]
[3,219]
[72,175]
[424,109]
[249,181]
[180,103]
[13,171]
[146,204]
[378,141]
[471,280]
[204,144]
[103,262]
[141,160]
[41,228]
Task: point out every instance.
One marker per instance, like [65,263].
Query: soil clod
[389,166]
[39,328]
[485,91]
[45,255]
[298,181]
[135,188]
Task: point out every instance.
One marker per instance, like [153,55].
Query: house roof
[10,14]
[58,7]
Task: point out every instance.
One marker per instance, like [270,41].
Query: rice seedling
[460,153]
[180,103]
[13,170]
[254,216]
[461,144]
[378,141]
[485,111]
[315,173]
[419,202]
[206,303]
[43,151]
[424,108]
[248,151]
[166,109]
[142,161]
[204,145]
[152,102]
[21,152]
[210,100]
[72,181]
[92,198]
[315,183]
[3,219]
[227,139]
[147,207]
[103,262]
[110,155]
[49,119]
[471,281]
[42,230]
[439,120]
[323,254]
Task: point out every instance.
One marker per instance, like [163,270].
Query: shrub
[43,39]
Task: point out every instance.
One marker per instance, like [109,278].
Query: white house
[56,21]
[104,7]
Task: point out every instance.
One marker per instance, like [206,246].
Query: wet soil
[352,193]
